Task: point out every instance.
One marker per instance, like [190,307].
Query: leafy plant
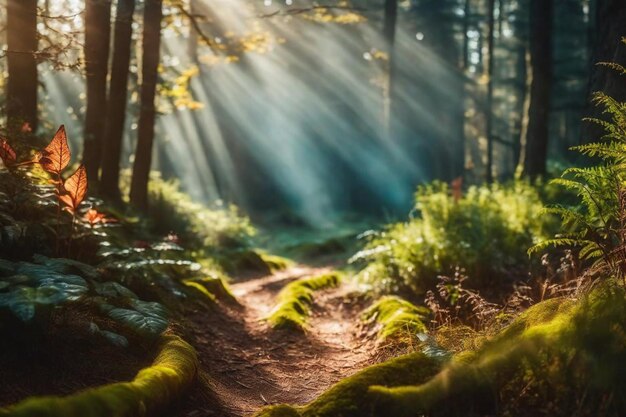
[597,226]
[485,231]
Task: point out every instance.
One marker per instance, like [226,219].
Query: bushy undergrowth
[199,226]
[486,232]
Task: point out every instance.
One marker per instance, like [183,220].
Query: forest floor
[246,365]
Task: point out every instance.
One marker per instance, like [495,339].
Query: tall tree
[609,29]
[22,82]
[489,105]
[151,42]
[389,36]
[97,39]
[540,38]
[118,94]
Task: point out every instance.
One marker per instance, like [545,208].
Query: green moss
[351,398]
[397,318]
[153,389]
[212,288]
[558,352]
[276,263]
[296,299]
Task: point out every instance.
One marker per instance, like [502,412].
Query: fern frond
[614,66]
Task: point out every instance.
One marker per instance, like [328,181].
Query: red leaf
[7,154]
[75,189]
[94,217]
[56,156]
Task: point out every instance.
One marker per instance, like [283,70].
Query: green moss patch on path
[296,298]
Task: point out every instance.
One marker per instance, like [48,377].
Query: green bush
[199,226]
[487,232]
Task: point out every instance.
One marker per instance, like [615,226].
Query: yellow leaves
[179,90]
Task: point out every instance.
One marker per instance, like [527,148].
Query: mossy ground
[397,319]
[150,392]
[560,357]
[213,289]
[295,301]
[351,397]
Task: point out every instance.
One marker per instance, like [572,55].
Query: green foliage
[485,232]
[596,224]
[31,291]
[151,392]
[398,318]
[566,357]
[295,301]
[350,397]
[199,226]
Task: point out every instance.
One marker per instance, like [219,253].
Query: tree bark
[118,93]
[97,39]
[489,104]
[149,76]
[389,36]
[540,38]
[22,82]
[610,27]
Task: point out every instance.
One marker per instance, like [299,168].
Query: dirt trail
[246,365]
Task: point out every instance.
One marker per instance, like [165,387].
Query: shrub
[486,232]
[596,224]
[199,226]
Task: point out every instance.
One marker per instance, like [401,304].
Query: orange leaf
[75,189]
[94,217]
[7,154]
[56,156]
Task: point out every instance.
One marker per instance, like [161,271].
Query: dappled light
[299,208]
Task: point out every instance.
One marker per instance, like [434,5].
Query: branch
[195,25]
[293,12]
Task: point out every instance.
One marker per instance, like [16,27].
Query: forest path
[246,365]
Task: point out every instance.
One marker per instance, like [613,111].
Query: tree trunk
[149,76]
[22,83]
[540,37]
[610,27]
[389,36]
[489,104]
[466,26]
[118,93]
[97,39]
